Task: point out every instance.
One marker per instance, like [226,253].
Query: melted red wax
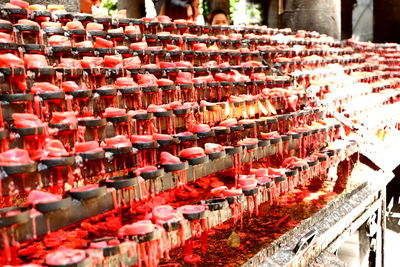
[141,138]
[213,148]
[192,152]
[137,228]
[105,243]
[65,256]
[52,149]
[11,61]
[26,120]
[15,157]
[33,61]
[117,141]
[87,147]
[167,158]
[165,213]
[36,197]
[114,112]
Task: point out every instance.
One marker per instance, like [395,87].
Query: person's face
[196,11]
[219,20]
[86,5]
[190,15]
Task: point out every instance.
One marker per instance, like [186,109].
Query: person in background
[219,18]
[180,9]
[86,5]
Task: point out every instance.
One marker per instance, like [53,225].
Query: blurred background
[362,20]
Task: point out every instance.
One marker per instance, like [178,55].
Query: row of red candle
[123,157]
[157,119]
[305,171]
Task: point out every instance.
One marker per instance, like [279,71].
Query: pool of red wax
[103,43]
[105,243]
[155,108]
[141,138]
[228,123]
[59,40]
[74,25]
[117,141]
[44,87]
[132,29]
[114,112]
[247,182]
[53,148]
[259,172]
[293,162]
[192,152]
[15,157]
[113,61]
[87,147]
[137,228]
[157,136]
[132,62]
[165,213]
[26,120]
[165,65]
[65,256]
[70,86]
[136,112]
[232,192]
[139,46]
[184,78]
[122,82]
[33,61]
[183,64]
[84,44]
[164,82]
[200,128]
[37,196]
[64,118]
[147,80]
[145,169]
[167,158]
[213,148]
[190,209]
[69,63]
[11,61]
[92,62]
[248,141]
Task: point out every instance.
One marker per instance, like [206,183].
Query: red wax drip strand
[304,146]
[199,229]
[285,149]
[144,192]
[149,253]
[152,188]
[237,165]
[251,156]
[114,197]
[204,235]
[237,212]
[253,204]
[34,214]
[182,178]
[6,246]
